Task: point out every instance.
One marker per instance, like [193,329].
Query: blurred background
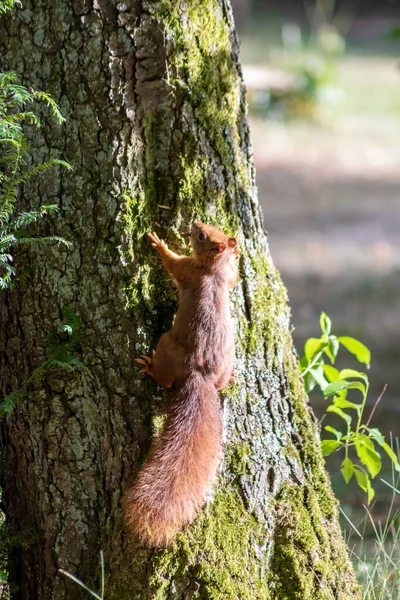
[323,81]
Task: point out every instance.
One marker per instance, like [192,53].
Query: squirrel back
[181,466]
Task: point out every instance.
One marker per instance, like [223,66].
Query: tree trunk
[157,134]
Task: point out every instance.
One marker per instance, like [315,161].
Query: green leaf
[347,469]
[357,385]
[338,386]
[329,446]
[368,455]
[380,439]
[361,352]
[345,373]
[338,411]
[335,387]
[312,347]
[377,436]
[309,382]
[318,374]
[343,403]
[331,373]
[366,440]
[391,455]
[338,434]
[332,349]
[325,323]
[303,363]
[365,483]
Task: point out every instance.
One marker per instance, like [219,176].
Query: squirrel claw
[156,242]
[144,360]
[147,363]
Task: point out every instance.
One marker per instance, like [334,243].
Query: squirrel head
[210,244]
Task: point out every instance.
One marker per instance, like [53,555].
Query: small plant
[358,435]
[14,151]
[61,351]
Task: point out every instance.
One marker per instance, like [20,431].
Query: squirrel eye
[202,236]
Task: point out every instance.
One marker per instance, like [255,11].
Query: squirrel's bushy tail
[179,470]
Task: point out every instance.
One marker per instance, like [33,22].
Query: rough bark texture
[156,118]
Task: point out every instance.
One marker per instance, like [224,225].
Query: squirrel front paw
[147,363]
[155,241]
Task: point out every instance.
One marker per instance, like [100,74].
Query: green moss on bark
[220,556]
[238,456]
[309,559]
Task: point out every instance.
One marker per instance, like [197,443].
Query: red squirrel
[194,360]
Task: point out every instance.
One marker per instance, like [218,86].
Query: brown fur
[195,359]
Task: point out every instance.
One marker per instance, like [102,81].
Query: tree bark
[157,134]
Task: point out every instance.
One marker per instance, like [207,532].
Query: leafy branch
[14,150]
[335,384]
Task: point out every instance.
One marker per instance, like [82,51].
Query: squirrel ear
[232,242]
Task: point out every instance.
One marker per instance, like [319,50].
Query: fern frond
[67,366]
[72,325]
[8,76]
[19,94]
[13,153]
[8,275]
[5,213]
[23,219]
[10,132]
[7,240]
[6,209]
[7,5]
[61,353]
[21,117]
[10,270]
[70,316]
[53,105]
[41,240]
[40,168]
[9,154]
[8,404]
[47,208]
[26,218]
